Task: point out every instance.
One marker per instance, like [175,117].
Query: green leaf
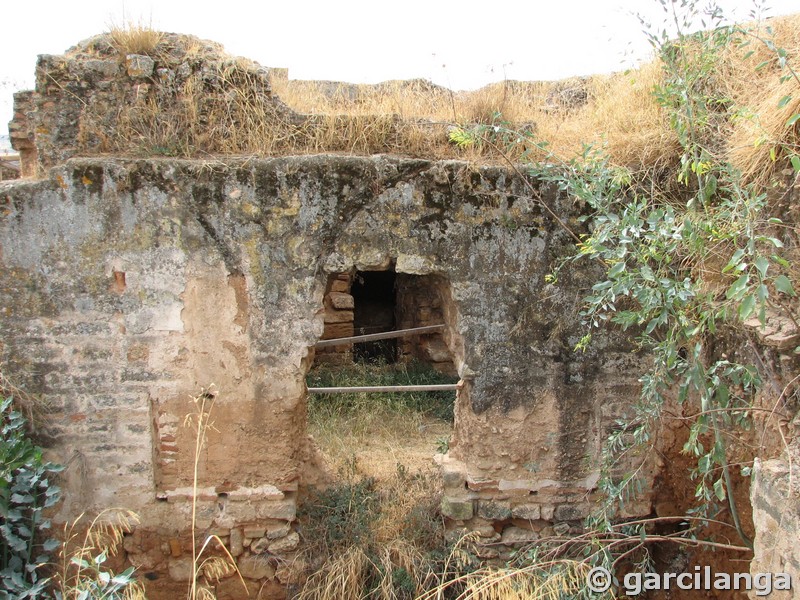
[719,490]
[616,269]
[783,285]
[747,307]
[738,288]
[781,261]
[793,119]
[795,162]
[51,545]
[762,264]
[734,261]
[784,101]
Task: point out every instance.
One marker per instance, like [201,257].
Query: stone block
[102,68]
[274,532]
[255,567]
[453,480]
[139,65]
[494,511]
[458,510]
[285,544]
[260,545]
[254,532]
[341,301]
[340,286]
[529,512]
[338,316]
[478,485]
[513,536]
[236,542]
[337,330]
[180,569]
[572,512]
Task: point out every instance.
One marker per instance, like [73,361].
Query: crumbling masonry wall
[129,285]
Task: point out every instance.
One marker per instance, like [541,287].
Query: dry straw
[232,106]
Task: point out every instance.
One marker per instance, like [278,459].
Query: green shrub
[26,490]
[340,516]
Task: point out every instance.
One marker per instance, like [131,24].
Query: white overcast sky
[460,44]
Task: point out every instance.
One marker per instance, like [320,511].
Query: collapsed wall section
[129,286]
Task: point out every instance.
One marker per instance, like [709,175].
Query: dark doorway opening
[375,307]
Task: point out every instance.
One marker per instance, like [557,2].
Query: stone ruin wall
[128,285]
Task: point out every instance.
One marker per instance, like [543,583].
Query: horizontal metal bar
[371,337]
[442,387]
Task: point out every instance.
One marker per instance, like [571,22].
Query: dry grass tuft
[552,581]
[81,571]
[134,38]
[342,578]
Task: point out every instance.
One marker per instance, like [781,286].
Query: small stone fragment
[286,544]
[140,65]
[256,567]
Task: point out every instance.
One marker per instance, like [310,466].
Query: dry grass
[552,581]
[134,38]
[399,570]
[81,570]
[617,110]
[374,442]
[370,434]
[760,132]
[232,106]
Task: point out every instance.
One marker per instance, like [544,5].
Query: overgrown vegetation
[692,253]
[377,532]
[681,170]
[82,572]
[379,430]
[438,405]
[373,540]
[27,489]
[36,563]
[135,38]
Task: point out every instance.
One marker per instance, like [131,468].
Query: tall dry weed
[134,37]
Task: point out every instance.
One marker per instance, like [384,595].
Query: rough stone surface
[180,569]
[458,510]
[236,545]
[259,546]
[255,567]
[285,544]
[82,96]
[139,65]
[494,511]
[775,497]
[129,285]
[513,536]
